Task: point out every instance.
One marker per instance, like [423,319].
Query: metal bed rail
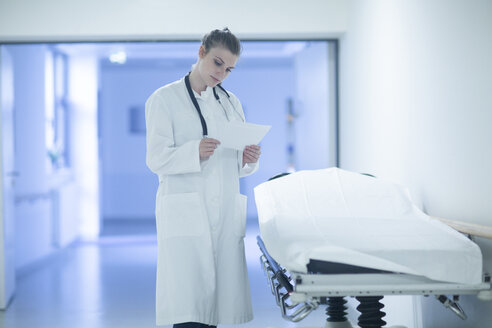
[299,294]
[282,288]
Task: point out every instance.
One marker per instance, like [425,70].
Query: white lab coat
[200,214]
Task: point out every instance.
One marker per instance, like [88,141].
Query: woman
[202,278]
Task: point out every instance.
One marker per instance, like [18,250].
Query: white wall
[31,20]
[83,100]
[416,107]
[313,125]
[45,200]
[33,208]
[7,179]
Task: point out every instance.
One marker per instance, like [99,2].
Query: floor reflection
[111,283]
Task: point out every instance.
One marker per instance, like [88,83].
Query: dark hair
[222,38]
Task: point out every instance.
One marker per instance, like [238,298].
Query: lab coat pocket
[240,215]
[182,215]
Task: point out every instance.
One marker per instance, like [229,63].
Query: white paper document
[238,135]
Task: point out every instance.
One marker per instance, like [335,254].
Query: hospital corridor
[250,164]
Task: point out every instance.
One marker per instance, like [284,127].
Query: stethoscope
[195,102]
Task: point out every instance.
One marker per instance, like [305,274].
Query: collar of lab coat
[205,95]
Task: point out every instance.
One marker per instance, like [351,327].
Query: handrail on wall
[32,197]
[468,228]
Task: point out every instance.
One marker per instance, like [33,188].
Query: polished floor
[111,283]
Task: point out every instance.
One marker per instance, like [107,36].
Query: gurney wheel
[370,312]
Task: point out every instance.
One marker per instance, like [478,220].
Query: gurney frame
[298,294]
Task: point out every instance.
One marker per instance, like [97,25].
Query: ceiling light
[118,57]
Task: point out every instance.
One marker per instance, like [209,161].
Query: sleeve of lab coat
[248,168]
[163,156]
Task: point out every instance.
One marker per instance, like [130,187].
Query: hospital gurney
[328,234]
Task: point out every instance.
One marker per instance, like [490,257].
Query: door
[7,177]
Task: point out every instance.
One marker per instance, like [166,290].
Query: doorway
[79,131]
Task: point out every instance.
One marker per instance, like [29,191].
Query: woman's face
[215,65]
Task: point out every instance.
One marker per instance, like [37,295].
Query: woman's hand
[251,154]
[207,147]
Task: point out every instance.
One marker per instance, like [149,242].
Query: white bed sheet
[340,216]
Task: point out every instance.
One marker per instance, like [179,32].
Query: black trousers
[192,325]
